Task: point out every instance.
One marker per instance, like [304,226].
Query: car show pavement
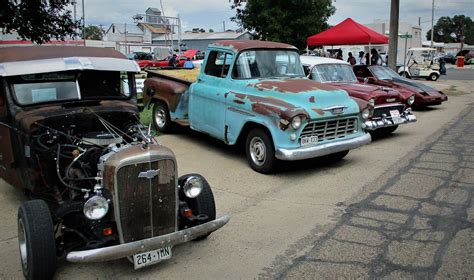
[401,207]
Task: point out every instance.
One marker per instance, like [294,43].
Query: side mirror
[150,91]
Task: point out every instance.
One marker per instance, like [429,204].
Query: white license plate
[396,116]
[151,257]
[308,140]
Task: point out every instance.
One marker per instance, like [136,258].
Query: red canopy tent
[347,32]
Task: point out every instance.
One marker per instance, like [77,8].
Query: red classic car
[384,76]
[148,62]
[391,108]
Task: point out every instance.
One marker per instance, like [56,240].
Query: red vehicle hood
[382,95]
[190,53]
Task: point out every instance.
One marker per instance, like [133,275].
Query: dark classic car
[384,76]
[99,186]
[390,108]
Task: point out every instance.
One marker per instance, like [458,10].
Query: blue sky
[211,13]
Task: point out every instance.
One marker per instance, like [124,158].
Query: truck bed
[187,75]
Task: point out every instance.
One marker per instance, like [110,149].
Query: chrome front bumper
[129,249]
[406,117]
[322,149]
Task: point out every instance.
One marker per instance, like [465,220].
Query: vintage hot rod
[99,186]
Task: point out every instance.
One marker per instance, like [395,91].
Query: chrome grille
[379,111]
[147,207]
[329,130]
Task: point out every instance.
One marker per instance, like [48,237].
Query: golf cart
[420,64]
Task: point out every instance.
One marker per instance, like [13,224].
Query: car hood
[417,85]
[287,97]
[380,93]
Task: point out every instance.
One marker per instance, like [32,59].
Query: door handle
[199,80]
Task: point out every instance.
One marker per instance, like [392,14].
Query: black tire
[405,74]
[161,117]
[260,151]
[36,240]
[203,204]
[385,131]
[336,156]
[433,77]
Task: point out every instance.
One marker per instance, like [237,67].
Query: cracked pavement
[418,224]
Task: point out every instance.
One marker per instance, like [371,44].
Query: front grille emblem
[149,174]
[335,110]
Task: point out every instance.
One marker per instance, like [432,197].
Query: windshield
[267,64]
[71,85]
[333,73]
[384,73]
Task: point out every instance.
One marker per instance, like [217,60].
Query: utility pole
[223,24]
[393,40]
[83,23]
[432,23]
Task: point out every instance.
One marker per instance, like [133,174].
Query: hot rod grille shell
[379,111]
[330,130]
[143,207]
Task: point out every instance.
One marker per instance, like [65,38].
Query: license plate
[308,140]
[396,116]
[151,257]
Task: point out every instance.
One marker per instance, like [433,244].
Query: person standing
[339,55]
[361,59]
[172,62]
[375,58]
[351,59]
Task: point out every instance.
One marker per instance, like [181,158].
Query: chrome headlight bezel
[96,207]
[192,186]
[296,122]
[372,102]
[411,100]
[365,113]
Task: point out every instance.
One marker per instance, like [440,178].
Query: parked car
[449,58]
[391,108]
[384,76]
[99,185]
[420,64]
[256,93]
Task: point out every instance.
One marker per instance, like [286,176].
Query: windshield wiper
[82,102]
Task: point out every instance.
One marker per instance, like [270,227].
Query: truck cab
[256,92]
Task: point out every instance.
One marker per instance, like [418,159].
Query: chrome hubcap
[257,151]
[160,117]
[22,243]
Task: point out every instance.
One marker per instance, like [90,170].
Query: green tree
[289,21]
[211,30]
[93,33]
[37,20]
[453,30]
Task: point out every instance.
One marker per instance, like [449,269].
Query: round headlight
[372,102]
[366,114]
[296,122]
[96,208]
[411,100]
[192,186]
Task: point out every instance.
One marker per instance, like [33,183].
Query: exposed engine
[71,155]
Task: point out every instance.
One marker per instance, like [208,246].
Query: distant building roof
[154,11]
[130,28]
[435,44]
[205,36]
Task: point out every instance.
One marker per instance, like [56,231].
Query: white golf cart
[420,63]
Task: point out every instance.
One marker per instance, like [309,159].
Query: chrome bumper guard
[322,149]
[406,117]
[145,245]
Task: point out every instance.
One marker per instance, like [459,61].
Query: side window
[218,64]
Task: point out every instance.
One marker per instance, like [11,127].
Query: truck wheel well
[246,129]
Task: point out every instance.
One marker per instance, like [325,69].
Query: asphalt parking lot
[401,207]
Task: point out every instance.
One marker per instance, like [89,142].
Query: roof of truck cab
[239,45]
[43,59]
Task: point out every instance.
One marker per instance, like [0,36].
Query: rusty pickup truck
[256,93]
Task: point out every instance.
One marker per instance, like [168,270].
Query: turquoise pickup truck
[256,93]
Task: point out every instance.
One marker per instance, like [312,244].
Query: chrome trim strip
[322,149]
[376,123]
[145,245]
